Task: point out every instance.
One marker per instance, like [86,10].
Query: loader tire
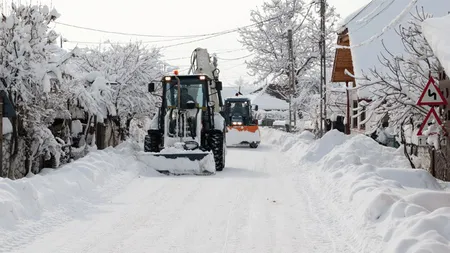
[151,143]
[218,148]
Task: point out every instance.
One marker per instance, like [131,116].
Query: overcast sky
[172,18]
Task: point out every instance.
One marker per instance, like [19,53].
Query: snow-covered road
[257,204]
[292,194]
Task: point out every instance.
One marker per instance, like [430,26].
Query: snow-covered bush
[29,73]
[117,78]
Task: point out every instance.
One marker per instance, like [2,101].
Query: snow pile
[435,31]
[31,198]
[287,141]
[408,208]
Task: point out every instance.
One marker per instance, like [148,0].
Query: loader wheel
[253,145]
[151,143]
[218,149]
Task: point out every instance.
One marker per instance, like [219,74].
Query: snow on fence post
[440,162]
[432,96]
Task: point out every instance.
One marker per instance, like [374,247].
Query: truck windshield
[239,108]
[192,91]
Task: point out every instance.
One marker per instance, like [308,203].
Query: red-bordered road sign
[425,121]
[431,95]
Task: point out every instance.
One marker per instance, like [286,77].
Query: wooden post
[347,129]
[433,162]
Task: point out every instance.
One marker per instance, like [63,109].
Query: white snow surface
[291,194]
[436,31]
[374,24]
[7,126]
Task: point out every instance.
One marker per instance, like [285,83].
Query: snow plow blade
[243,135]
[180,163]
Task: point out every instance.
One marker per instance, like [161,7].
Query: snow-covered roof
[268,102]
[437,32]
[264,101]
[376,22]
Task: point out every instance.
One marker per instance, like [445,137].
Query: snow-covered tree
[27,72]
[267,39]
[397,90]
[119,75]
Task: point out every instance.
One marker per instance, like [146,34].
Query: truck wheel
[253,145]
[218,148]
[151,143]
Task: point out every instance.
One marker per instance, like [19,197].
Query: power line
[131,34]
[233,59]
[224,52]
[357,14]
[171,36]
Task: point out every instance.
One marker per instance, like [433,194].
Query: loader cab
[196,91]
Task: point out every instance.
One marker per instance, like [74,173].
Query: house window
[385,121]
[363,117]
[355,119]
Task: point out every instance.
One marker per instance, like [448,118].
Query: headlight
[236,123]
[167,78]
[190,145]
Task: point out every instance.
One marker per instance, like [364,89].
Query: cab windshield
[238,109]
[189,92]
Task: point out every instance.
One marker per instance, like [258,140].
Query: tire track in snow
[143,213]
[61,214]
[68,234]
[359,238]
[332,221]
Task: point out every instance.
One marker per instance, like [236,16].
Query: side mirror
[256,107]
[190,104]
[218,85]
[151,87]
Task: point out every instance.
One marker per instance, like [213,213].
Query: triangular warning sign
[427,118]
[431,95]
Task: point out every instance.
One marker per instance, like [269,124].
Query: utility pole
[323,68]
[292,112]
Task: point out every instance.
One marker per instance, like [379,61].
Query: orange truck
[242,128]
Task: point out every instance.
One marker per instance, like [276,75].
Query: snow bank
[30,198]
[287,141]
[408,208]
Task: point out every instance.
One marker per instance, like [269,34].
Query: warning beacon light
[175,72]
